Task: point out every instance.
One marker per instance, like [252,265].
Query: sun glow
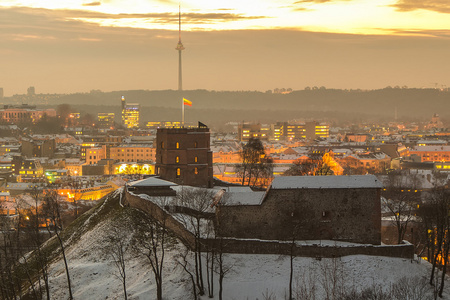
[355,17]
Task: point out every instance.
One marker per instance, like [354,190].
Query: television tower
[180,48]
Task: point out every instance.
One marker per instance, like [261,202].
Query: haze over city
[77,46]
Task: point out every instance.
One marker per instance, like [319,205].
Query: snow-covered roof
[243,198]
[326,182]
[234,189]
[152,181]
[431,148]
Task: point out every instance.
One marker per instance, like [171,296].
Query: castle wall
[352,215]
[254,246]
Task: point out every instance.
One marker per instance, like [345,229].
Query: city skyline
[76,47]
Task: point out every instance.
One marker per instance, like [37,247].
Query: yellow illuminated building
[155,125]
[292,131]
[105,120]
[134,168]
[132,153]
[90,193]
[130,114]
[256,131]
[95,154]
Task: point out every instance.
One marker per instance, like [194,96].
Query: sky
[81,45]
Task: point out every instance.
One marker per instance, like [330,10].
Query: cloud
[441,6]
[195,18]
[96,3]
[162,18]
[24,37]
[89,39]
[43,26]
[311,1]
[318,1]
[301,5]
[424,33]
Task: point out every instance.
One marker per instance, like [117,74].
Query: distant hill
[224,106]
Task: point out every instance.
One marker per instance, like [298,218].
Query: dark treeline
[350,105]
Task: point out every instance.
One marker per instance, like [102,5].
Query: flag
[187,102]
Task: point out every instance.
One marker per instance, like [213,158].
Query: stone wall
[248,246]
[405,250]
[352,215]
[161,216]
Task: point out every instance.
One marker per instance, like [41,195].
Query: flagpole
[182,110]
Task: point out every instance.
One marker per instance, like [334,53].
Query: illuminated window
[177,145]
[177,159]
[195,144]
[178,172]
[196,159]
[196,171]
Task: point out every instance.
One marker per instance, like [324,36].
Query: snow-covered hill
[94,276]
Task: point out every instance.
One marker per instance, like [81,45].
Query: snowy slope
[93,276]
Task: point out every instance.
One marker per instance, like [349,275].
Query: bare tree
[52,212]
[183,261]
[210,257]
[153,241]
[434,215]
[195,202]
[255,166]
[116,247]
[412,288]
[222,269]
[401,199]
[76,188]
[9,286]
[306,285]
[332,278]
[301,168]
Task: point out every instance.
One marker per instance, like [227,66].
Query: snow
[249,277]
[240,189]
[323,182]
[152,181]
[243,198]
[93,276]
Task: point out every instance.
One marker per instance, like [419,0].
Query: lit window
[196,159]
[195,144]
[178,172]
[178,145]
[196,171]
[177,159]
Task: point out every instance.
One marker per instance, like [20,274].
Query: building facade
[24,114]
[105,120]
[255,131]
[132,153]
[130,114]
[431,153]
[183,156]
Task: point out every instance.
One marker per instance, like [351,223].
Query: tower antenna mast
[180,48]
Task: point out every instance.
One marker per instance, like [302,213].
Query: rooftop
[326,182]
[243,198]
[152,182]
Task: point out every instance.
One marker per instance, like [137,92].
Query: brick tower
[183,156]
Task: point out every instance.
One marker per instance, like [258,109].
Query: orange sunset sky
[79,45]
